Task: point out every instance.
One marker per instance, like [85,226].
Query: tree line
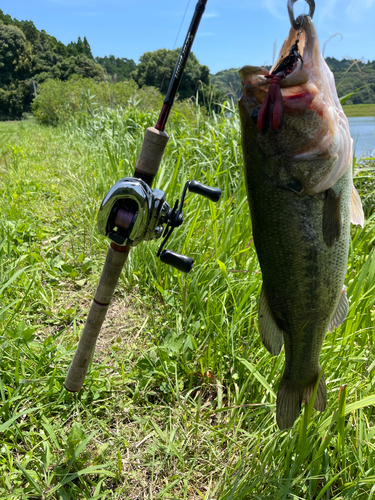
[29,57]
[351,77]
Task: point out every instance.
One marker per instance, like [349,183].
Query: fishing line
[182,22]
[275,42]
[175,42]
[274,52]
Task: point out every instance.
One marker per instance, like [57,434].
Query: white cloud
[210,15]
[271,6]
[356,10]
[327,9]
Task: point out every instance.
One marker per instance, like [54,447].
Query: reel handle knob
[209,192]
[180,262]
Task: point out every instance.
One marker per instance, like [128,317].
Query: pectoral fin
[356,211]
[341,311]
[331,217]
[270,333]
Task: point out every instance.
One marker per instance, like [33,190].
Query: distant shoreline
[352,110]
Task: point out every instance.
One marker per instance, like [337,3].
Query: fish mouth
[307,119]
[295,83]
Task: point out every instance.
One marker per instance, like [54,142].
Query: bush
[14,99]
[57,100]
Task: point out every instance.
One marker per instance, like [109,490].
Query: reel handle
[180,262]
[209,192]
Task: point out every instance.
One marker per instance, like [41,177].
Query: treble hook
[296,23]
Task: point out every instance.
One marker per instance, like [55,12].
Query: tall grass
[180,399]
[359,110]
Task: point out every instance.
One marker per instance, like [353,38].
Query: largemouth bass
[297,154]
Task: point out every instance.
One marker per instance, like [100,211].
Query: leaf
[257,375]
[367,401]
[46,455]
[95,469]
[347,96]
[174,343]
[190,343]
[77,434]
[160,289]
[30,478]
[223,269]
[9,422]
[13,278]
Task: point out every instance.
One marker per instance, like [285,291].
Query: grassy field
[359,110]
[179,401]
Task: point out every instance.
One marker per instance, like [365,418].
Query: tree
[118,68]
[228,81]
[80,48]
[29,56]
[15,71]
[155,69]
[349,77]
[15,55]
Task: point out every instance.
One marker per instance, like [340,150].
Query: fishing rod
[132,212]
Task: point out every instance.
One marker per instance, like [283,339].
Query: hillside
[29,56]
[228,82]
[353,75]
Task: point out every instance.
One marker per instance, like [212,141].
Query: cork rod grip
[111,272]
[152,151]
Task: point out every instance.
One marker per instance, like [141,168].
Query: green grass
[179,401]
[359,110]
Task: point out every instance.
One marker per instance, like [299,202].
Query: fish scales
[300,192]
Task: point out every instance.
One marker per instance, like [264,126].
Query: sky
[232,33]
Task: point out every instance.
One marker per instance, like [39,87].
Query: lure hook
[296,23]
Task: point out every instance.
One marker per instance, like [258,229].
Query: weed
[179,401]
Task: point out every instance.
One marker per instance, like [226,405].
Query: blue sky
[231,34]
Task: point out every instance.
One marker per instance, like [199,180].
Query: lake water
[362,130]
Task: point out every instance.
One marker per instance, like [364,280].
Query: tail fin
[290,397]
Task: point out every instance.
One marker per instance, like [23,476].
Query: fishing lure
[272,109]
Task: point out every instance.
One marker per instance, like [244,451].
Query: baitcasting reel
[132,212]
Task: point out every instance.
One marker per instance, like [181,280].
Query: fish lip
[300,74]
[307,41]
[255,76]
